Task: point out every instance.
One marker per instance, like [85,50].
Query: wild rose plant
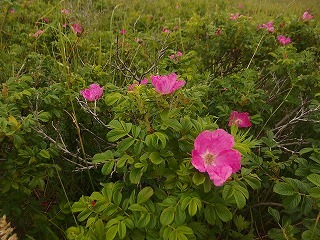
[306,16]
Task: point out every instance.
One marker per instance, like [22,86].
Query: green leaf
[101,157]
[185,230]
[314,178]
[125,144]
[84,215]
[315,192]
[135,175]
[122,230]
[210,214]
[180,216]
[240,199]
[112,98]
[167,216]
[253,181]
[44,116]
[292,202]
[97,196]
[112,232]
[107,168]
[193,206]
[223,212]
[283,189]
[143,220]
[135,131]
[144,194]
[198,178]
[155,158]
[274,213]
[137,208]
[44,153]
[115,134]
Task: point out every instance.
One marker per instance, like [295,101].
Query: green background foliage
[120,168]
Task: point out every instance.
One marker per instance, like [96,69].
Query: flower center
[209,159]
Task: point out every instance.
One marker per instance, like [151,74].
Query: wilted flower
[234,16]
[241,120]
[142,82]
[123,31]
[166,84]
[213,154]
[306,16]
[65,11]
[77,28]
[93,93]
[38,33]
[284,40]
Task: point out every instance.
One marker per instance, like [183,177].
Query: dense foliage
[108,108]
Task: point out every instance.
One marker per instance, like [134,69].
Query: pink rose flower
[171,56]
[166,84]
[93,93]
[142,82]
[268,26]
[65,11]
[166,30]
[242,119]
[284,40]
[38,33]
[77,28]
[123,31]
[234,16]
[213,154]
[306,16]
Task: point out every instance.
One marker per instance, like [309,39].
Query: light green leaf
[144,194]
[167,216]
[112,232]
[101,157]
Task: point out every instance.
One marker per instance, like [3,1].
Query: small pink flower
[268,26]
[166,84]
[165,30]
[242,120]
[284,40]
[176,27]
[234,16]
[213,154]
[142,82]
[218,32]
[123,31]
[65,25]
[93,93]
[171,56]
[38,33]
[306,16]
[65,11]
[12,11]
[46,20]
[240,5]
[77,28]
[179,54]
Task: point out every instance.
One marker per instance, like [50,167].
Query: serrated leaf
[198,178]
[274,213]
[144,194]
[44,153]
[240,199]
[112,232]
[210,214]
[137,208]
[314,178]
[283,189]
[223,212]
[107,168]
[167,216]
[291,202]
[101,157]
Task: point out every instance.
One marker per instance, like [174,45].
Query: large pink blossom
[306,16]
[93,93]
[166,84]
[213,154]
[284,40]
[242,119]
